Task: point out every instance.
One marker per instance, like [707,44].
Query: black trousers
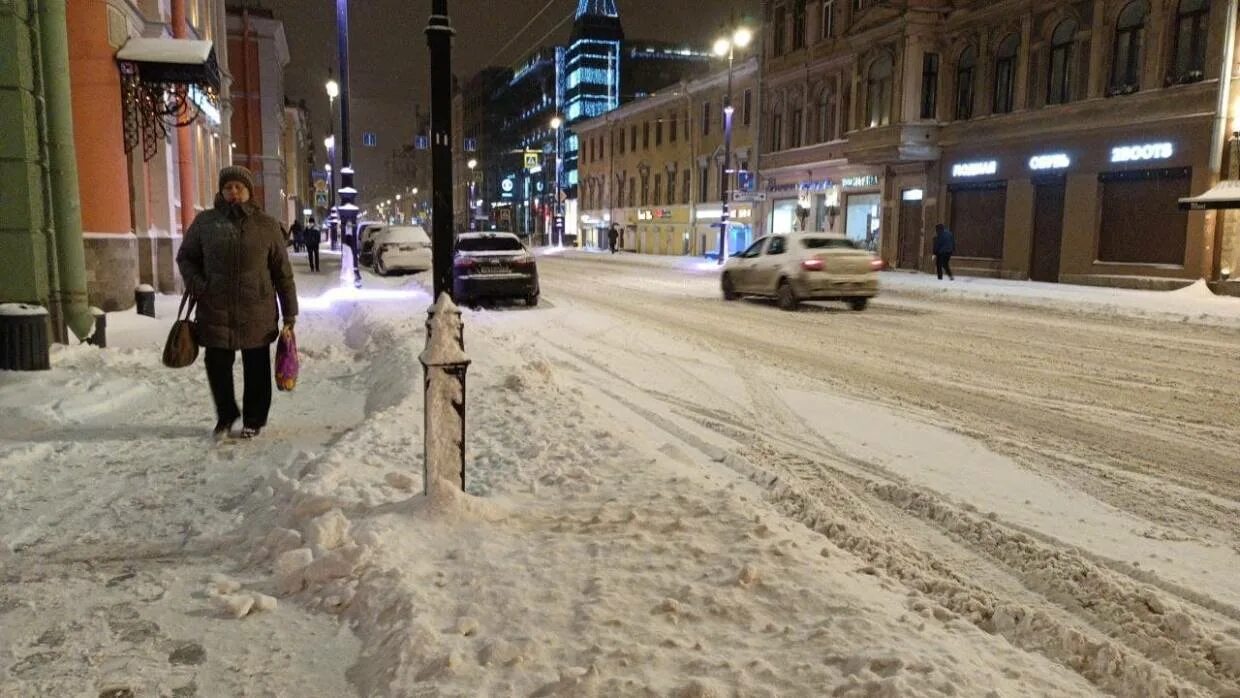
[312,253]
[256,369]
[943,263]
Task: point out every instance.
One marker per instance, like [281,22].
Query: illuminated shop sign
[860,182]
[1144,151]
[975,169]
[506,186]
[913,195]
[816,185]
[1050,161]
[651,214]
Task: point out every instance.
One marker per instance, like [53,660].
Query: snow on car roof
[480,236]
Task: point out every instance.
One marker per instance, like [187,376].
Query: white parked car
[401,248]
[799,267]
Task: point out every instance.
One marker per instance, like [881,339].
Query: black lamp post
[348,194]
[439,35]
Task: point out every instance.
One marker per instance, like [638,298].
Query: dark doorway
[1047,229]
[910,235]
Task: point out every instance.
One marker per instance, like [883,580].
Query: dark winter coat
[944,242]
[311,236]
[235,263]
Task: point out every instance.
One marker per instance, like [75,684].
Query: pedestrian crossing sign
[531,159]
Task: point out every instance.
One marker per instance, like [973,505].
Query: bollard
[144,299]
[444,365]
[99,337]
[24,344]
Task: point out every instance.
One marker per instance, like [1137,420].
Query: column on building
[96,30]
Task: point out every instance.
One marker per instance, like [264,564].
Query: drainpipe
[185,165]
[1224,93]
[45,222]
[62,164]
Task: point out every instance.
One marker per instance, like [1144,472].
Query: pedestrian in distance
[234,261]
[294,232]
[311,237]
[613,237]
[944,248]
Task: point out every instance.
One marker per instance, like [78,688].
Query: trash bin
[24,337]
[144,298]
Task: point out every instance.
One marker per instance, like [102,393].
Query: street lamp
[725,47]
[473,214]
[333,89]
[558,214]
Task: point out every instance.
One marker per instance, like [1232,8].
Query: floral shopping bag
[286,360]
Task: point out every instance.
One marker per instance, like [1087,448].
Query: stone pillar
[111,248]
[444,364]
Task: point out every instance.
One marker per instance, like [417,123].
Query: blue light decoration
[591,71]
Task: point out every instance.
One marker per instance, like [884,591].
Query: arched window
[1059,81]
[1005,74]
[1190,40]
[777,129]
[966,67]
[878,92]
[826,116]
[1126,59]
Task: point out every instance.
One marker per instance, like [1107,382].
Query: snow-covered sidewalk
[1194,304]
[594,555]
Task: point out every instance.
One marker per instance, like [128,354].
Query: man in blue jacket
[944,248]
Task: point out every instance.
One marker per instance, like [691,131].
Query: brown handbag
[181,349]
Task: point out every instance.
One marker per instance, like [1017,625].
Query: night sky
[388,47]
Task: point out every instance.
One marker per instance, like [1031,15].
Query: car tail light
[464,263]
[813,265]
[523,261]
[877,264]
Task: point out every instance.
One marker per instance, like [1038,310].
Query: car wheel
[729,290]
[858,304]
[379,268]
[786,297]
[531,301]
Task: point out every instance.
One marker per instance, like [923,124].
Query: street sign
[320,198]
[748,196]
[422,142]
[744,180]
[531,159]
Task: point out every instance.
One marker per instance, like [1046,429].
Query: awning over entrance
[1225,194]
[166,83]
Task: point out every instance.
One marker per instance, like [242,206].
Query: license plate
[407,248]
[493,269]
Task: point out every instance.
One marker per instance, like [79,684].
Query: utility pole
[439,35]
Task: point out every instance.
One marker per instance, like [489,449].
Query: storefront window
[1141,221]
[862,221]
[978,217]
[784,217]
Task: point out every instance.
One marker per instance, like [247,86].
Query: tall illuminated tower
[591,72]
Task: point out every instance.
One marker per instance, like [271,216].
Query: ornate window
[966,69]
[1190,40]
[826,116]
[878,92]
[1126,57]
[1005,74]
[1059,80]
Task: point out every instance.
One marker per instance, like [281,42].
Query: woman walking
[234,261]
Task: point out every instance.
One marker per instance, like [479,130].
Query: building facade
[1053,138]
[258,53]
[654,168]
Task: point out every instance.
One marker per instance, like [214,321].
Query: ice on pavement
[641,518]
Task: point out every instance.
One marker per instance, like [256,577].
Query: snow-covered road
[991,491]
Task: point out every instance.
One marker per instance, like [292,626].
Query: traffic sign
[748,196]
[531,159]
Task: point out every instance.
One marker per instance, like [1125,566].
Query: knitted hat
[236,173]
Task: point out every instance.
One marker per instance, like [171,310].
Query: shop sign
[1050,161]
[652,214]
[912,195]
[861,182]
[506,186]
[814,185]
[743,212]
[975,169]
[1144,151]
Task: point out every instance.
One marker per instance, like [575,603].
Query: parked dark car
[366,242]
[492,266]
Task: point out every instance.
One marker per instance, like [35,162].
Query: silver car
[797,267]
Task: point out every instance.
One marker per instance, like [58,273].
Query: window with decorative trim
[966,69]
[1060,76]
[1005,75]
[1189,58]
[878,92]
[1126,53]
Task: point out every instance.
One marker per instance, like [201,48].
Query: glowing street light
[556,122]
[725,47]
[333,89]
[472,163]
